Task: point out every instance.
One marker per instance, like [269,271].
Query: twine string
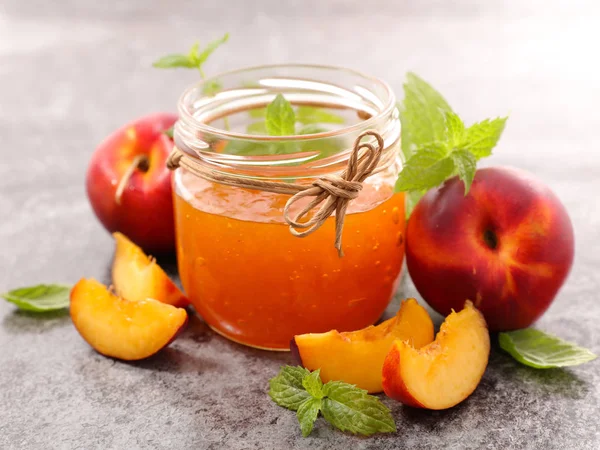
[331,193]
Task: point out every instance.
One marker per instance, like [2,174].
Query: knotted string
[331,192]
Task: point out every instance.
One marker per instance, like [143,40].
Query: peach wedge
[357,357]
[121,328]
[138,277]
[445,372]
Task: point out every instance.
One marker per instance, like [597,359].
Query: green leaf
[412,198]
[194,59]
[169,131]
[307,413]
[351,409]
[312,115]
[286,388]
[210,48]
[313,384]
[482,137]
[455,129]
[211,87]
[174,61]
[281,120]
[40,298]
[311,129]
[537,349]
[258,113]
[428,167]
[193,53]
[421,114]
[257,128]
[466,165]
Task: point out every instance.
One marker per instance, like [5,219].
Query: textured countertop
[73,71]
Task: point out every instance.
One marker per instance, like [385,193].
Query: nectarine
[356,357]
[507,246]
[129,185]
[120,328]
[444,372]
[137,277]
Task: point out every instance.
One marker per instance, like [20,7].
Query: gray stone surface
[72,71]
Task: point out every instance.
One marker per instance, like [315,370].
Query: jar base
[270,349]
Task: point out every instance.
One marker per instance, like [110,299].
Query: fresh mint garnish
[534,348]
[435,142]
[307,414]
[343,405]
[281,119]
[351,409]
[40,298]
[286,389]
[194,59]
[312,115]
[169,131]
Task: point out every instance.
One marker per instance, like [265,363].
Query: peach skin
[135,156]
[508,246]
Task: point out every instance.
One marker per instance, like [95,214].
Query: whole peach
[507,246]
[129,185]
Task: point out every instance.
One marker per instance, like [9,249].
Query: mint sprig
[194,59]
[436,144]
[540,350]
[281,119]
[40,298]
[343,405]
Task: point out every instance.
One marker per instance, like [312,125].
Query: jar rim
[200,126]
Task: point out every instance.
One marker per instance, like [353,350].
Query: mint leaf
[281,119]
[421,114]
[174,61]
[286,388]
[466,165]
[343,405]
[307,413]
[195,58]
[482,137]
[40,298]
[257,113]
[455,129]
[351,409]
[311,115]
[534,348]
[211,87]
[210,48]
[169,131]
[412,198]
[313,384]
[311,129]
[435,143]
[257,128]
[429,166]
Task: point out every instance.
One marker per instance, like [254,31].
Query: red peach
[508,246]
[143,208]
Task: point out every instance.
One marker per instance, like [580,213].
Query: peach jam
[245,273]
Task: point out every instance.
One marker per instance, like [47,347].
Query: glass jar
[249,278]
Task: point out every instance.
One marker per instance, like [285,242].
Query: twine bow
[332,192]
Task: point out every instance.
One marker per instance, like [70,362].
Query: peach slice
[121,328]
[137,277]
[357,357]
[444,372]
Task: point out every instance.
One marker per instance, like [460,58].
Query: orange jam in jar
[245,273]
